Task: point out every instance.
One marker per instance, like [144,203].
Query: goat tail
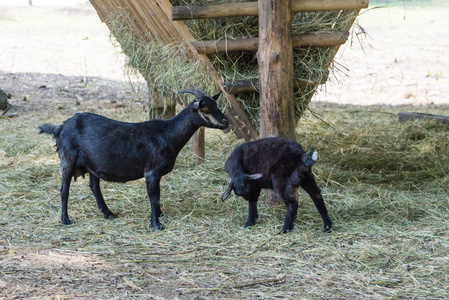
[309,158]
[50,129]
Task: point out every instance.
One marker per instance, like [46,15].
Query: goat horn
[200,90]
[197,93]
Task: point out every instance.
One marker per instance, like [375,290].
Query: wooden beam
[275,61]
[252,86]
[179,13]
[252,44]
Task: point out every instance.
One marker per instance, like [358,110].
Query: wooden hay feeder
[276,82]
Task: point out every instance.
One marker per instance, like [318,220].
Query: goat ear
[254,176]
[196,104]
[228,191]
[309,158]
[215,97]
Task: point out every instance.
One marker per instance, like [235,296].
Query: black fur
[274,163]
[119,151]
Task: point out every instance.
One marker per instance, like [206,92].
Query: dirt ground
[403,59]
[58,51]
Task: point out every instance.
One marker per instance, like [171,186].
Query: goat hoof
[327,228]
[249,224]
[66,221]
[158,227]
[109,216]
[286,229]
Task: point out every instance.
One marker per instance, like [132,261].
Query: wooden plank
[252,44]
[154,18]
[409,116]
[166,22]
[141,11]
[133,15]
[122,7]
[102,9]
[179,13]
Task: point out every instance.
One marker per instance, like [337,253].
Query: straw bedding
[385,184]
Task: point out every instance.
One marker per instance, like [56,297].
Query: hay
[390,238]
[411,154]
[166,69]
[177,71]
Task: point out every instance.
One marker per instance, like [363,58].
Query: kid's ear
[254,176]
[228,191]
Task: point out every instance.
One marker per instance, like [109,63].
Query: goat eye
[205,108]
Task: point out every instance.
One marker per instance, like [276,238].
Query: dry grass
[385,185]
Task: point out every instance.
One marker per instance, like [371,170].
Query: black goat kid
[118,151]
[274,163]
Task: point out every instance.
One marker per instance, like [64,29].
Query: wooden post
[198,143]
[275,60]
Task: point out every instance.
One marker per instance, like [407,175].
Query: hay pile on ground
[166,67]
[384,182]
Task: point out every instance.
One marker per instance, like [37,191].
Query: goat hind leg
[65,186]
[94,184]
[308,183]
[287,193]
[66,174]
[253,215]
[291,204]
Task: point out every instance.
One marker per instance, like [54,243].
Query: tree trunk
[275,59]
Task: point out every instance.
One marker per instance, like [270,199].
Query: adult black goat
[274,163]
[118,151]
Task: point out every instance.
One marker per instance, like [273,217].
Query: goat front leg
[308,183]
[94,184]
[253,215]
[154,191]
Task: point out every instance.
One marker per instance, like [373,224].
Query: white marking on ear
[196,104]
[254,176]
